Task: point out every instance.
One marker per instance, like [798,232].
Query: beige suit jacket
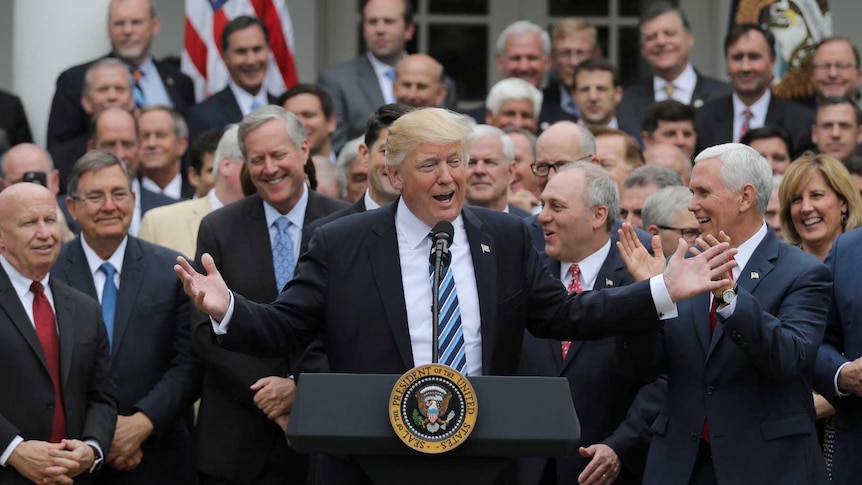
[175,226]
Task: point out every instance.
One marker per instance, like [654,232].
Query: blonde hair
[837,178]
[428,126]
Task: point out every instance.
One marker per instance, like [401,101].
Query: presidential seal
[433,408]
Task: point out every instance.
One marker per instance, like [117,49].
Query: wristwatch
[97,459]
[728,295]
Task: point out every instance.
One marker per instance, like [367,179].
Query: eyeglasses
[572,55]
[688,234]
[839,66]
[97,199]
[542,169]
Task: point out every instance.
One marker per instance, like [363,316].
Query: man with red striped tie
[57,409]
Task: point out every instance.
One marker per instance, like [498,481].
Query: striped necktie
[140,99]
[451,337]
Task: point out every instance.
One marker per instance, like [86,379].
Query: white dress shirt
[381,69]
[215,202]
[370,204]
[683,85]
[589,268]
[758,113]
[94,261]
[174,189]
[744,253]
[246,100]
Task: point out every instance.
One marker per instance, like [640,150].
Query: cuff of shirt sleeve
[4,458]
[220,328]
[664,306]
[838,391]
[726,311]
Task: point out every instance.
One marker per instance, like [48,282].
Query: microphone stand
[440,258]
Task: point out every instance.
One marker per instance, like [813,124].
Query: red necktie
[713,321]
[574,287]
[46,329]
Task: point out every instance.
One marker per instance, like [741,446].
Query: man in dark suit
[132,26]
[579,207]
[116,131]
[245,43]
[58,409]
[838,371]
[14,128]
[666,40]
[361,85]
[739,361]
[246,399]
[489,168]
[750,57]
[381,306]
[148,320]
[573,41]
[164,138]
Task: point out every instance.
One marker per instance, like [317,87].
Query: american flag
[201,57]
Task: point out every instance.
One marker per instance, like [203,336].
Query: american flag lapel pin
[485,248]
[609,282]
[755,275]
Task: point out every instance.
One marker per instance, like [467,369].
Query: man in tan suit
[176,226]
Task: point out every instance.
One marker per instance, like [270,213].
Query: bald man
[670,156]
[419,82]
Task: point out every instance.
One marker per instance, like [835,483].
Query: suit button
[695,437]
[49,406]
[709,390]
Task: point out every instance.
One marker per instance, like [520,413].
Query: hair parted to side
[93,161]
[838,179]
[742,165]
[253,120]
[427,126]
[481,131]
[600,189]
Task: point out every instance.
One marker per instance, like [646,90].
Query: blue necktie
[255,104]
[282,253]
[137,92]
[451,338]
[109,299]
[390,73]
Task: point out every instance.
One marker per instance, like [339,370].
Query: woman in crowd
[819,201]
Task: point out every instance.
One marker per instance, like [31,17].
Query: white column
[48,37]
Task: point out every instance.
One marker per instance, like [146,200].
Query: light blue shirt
[152,86]
[296,216]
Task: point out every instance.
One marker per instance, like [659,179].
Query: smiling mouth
[811,222]
[445,197]
[703,220]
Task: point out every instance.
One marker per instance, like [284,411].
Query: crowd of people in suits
[298,224]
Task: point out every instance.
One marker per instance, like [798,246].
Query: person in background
[774,143]
[200,171]
[665,214]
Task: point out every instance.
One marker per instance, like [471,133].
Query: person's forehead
[523,41]
[838,48]
[837,112]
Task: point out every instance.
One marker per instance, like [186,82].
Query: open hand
[209,292]
[639,262]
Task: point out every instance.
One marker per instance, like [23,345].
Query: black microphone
[441,236]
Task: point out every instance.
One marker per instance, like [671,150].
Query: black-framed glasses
[688,234]
[542,169]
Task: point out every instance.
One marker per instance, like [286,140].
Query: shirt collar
[686,81]
[296,215]
[370,203]
[215,202]
[379,66]
[414,230]
[590,266]
[94,261]
[20,283]
[757,108]
[746,250]
[148,68]
[245,99]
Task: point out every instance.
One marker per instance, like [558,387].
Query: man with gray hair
[164,139]
[665,214]
[370,297]
[739,360]
[256,241]
[489,169]
[579,208]
[513,102]
[176,226]
[641,184]
[352,172]
[523,51]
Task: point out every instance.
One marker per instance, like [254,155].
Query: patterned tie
[669,89]
[140,100]
[282,253]
[451,338]
[574,287]
[109,300]
[46,329]
[746,122]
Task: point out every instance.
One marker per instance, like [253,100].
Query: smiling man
[837,130]
[370,298]
[489,169]
[245,50]
[164,138]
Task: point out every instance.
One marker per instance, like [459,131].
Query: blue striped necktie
[451,337]
[109,300]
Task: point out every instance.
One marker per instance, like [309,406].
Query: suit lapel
[387,274]
[77,270]
[368,82]
[65,313]
[198,211]
[131,283]
[14,309]
[170,86]
[229,104]
[724,120]
[482,250]
[699,310]
[260,248]
[775,112]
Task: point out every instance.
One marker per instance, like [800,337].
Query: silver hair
[93,161]
[102,64]
[228,147]
[513,88]
[740,165]
[661,206]
[523,27]
[178,123]
[652,175]
[253,120]
[481,131]
[600,189]
[348,155]
[531,137]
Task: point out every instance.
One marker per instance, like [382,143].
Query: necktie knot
[255,104]
[390,74]
[282,224]
[108,269]
[137,74]
[37,288]
[575,283]
[669,89]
